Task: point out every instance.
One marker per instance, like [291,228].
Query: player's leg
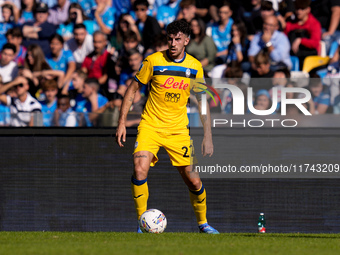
[145,155]
[198,198]
[139,185]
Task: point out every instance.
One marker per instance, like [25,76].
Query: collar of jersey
[180,61]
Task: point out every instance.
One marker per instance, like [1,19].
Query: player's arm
[127,102]
[207,144]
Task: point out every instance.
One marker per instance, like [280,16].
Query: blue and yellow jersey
[171,81]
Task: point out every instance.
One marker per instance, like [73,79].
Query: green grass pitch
[97,243]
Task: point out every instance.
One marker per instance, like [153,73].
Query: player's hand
[121,134]
[207,147]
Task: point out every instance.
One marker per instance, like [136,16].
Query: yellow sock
[140,193]
[198,201]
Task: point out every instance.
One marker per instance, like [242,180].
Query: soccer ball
[152,221]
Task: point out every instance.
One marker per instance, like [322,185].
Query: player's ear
[186,40]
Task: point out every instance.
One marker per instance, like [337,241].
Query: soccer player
[165,122]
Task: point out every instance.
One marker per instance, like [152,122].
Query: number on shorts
[185,155]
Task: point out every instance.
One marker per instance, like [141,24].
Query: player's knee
[195,184]
[140,172]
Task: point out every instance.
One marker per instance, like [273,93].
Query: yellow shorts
[177,145]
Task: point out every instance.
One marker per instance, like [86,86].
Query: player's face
[176,44]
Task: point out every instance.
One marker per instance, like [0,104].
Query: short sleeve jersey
[171,81]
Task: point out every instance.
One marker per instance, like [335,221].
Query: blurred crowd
[70,62]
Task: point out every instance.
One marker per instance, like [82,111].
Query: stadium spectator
[221,32]
[168,12]
[23,107]
[64,116]
[95,102]
[261,73]
[26,11]
[262,100]
[188,10]
[320,94]
[201,46]
[250,15]
[103,16]
[75,16]
[37,69]
[8,68]
[15,37]
[125,24]
[86,5]
[147,25]
[268,10]
[39,31]
[285,8]
[49,105]
[304,32]
[135,59]
[237,51]
[80,45]
[95,64]
[7,23]
[76,92]
[130,41]
[327,12]
[58,14]
[273,41]
[61,59]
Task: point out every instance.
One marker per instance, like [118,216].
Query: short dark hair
[267,6]
[9,46]
[140,2]
[58,37]
[314,80]
[187,3]
[301,4]
[15,32]
[133,51]
[92,82]
[78,26]
[61,96]
[130,36]
[285,71]
[178,26]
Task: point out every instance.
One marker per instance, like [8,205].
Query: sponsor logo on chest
[171,83]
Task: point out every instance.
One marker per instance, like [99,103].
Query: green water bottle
[261,224]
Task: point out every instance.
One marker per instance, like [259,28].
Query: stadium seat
[312,62]
[333,49]
[322,50]
[301,78]
[295,63]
